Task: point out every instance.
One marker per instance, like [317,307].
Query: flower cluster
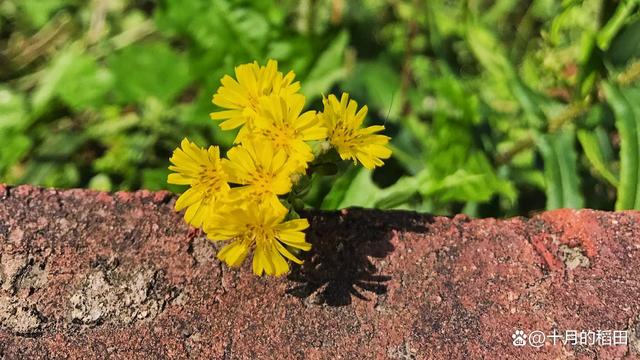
[246,197]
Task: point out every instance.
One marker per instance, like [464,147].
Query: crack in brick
[20,317]
[403,351]
[20,277]
[574,257]
[539,241]
[109,296]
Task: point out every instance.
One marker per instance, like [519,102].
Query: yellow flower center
[280,136]
[253,101]
[261,179]
[342,136]
[261,234]
[212,179]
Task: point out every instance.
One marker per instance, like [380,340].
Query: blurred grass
[496,108]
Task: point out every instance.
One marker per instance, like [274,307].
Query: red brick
[85,274]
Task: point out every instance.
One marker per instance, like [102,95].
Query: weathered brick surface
[86,274]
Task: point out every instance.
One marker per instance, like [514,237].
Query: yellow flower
[345,134]
[240,97]
[258,227]
[202,170]
[265,171]
[280,122]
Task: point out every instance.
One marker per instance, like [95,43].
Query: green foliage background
[496,108]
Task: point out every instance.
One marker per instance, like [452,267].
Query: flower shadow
[339,265]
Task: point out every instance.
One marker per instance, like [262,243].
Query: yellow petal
[188,198]
[287,254]
[234,253]
[280,266]
[259,262]
[195,214]
[227,114]
[179,179]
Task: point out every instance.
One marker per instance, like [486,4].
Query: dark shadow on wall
[338,267]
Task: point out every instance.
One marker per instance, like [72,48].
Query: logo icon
[537,338]
[519,338]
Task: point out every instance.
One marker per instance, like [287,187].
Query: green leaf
[590,63]
[491,55]
[473,179]
[61,144]
[250,25]
[362,191]
[453,101]
[125,154]
[12,110]
[17,144]
[608,32]
[412,164]
[199,20]
[111,125]
[625,107]
[561,174]
[489,52]
[356,188]
[338,190]
[39,11]
[626,45]
[155,179]
[217,26]
[327,169]
[76,78]
[100,182]
[327,69]
[84,84]
[52,78]
[149,70]
[380,83]
[399,193]
[50,174]
[594,152]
